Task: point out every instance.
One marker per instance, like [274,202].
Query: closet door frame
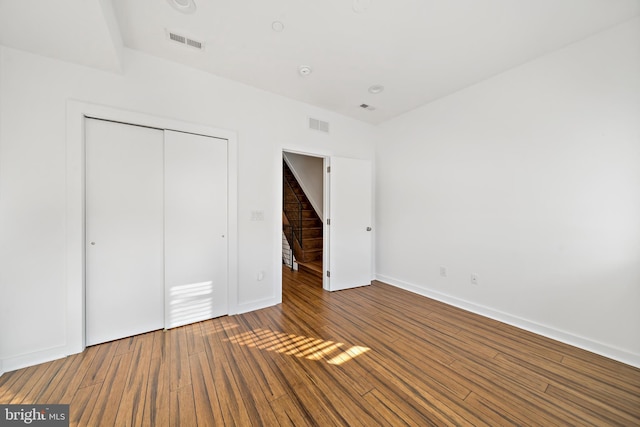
[75,214]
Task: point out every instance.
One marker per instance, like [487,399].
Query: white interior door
[350,241]
[195,228]
[124,230]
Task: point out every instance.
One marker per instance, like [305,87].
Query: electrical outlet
[443,271]
[474,279]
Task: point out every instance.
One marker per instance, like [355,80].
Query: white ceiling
[419,50]
[84,32]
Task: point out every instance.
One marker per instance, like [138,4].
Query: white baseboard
[257,305]
[546,331]
[30,359]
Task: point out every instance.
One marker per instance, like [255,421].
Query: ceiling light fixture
[304,70]
[376,89]
[184,6]
[277,26]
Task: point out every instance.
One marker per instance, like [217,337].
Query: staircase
[301,224]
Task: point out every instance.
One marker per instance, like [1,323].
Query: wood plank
[66,388]
[182,408]
[206,401]
[266,378]
[82,404]
[595,407]
[583,382]
[157,398]
[288,413]
[64,375]
[195,343]
[179,360]
[437,407]
[8,384]
[26,383]
[162,346]
[33,392]
[517,402]
[126,345]
[108,402]
[7,377]
[132,404]
[230,397]
[250,384]
[622,376]
[393,410]
[100,364]
[433,375]
[497,416]
[331,397]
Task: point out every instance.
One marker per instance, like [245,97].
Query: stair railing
[296,229]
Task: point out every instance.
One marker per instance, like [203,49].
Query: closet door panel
[195,228]
[124,230]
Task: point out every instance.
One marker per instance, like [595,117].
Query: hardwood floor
[369,356]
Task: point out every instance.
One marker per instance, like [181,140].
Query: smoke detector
[304,70]
[376,89]
[184,6]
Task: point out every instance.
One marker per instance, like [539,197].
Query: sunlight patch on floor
[334,353]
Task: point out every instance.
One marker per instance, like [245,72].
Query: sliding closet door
[124,230]
[195,228]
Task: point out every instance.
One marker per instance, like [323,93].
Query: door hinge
[328,221]
[328,273]
[328,169]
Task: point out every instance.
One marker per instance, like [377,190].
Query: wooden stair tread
[313,249]
[313,267]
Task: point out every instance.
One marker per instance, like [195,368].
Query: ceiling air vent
[184,40]
[194,43]
[320,125]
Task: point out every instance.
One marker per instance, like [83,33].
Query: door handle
[368,228]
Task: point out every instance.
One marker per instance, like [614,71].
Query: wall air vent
[184,40]
[319,125]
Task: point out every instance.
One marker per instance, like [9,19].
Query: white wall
[310,175]
[34,92]
[530,179]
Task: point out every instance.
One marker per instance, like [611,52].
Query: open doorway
[303,213]
[340,209]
